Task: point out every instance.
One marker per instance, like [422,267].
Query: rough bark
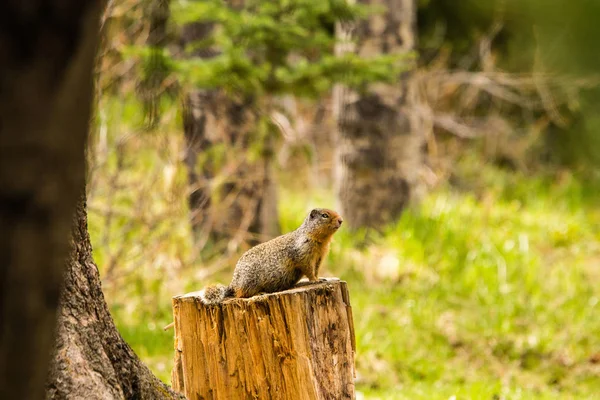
[379,148]
[297,344]
[47,52]
[246,200]
[91,360]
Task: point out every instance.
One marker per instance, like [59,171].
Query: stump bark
[296,344]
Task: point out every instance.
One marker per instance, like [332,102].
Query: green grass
[490,291]
[483,299]
[489,298]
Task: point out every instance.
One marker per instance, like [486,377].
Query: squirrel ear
[313,214]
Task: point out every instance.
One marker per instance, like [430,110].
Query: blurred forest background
[460,141]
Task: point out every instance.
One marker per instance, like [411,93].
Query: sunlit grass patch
[492,290]
[487,290]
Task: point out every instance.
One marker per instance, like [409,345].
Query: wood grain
[296,344]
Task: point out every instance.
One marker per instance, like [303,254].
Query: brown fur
[213,294]
[239,292]
[280,263]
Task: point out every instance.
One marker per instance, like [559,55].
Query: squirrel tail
[215,294]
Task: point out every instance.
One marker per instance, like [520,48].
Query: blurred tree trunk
[379,149]
[91,359]
[47,53]
[152,85]
[231,195]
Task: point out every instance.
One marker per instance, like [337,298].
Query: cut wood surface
[296,344]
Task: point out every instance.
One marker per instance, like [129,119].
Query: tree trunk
[232,197]
[199,176]
[91,360]
[151,87]
[379,149]
[297,344]
[47,53]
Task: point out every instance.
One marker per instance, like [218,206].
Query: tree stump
[296,344]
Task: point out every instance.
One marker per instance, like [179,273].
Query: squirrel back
[279,263]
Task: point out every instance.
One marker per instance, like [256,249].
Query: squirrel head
[321,223]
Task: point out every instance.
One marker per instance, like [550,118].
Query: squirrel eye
[324,215]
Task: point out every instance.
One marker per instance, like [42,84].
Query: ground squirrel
[279,263]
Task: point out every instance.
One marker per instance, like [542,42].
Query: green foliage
[552,39]
[566,33]
[490,293]
[560,38]
[278,47]
[455,26]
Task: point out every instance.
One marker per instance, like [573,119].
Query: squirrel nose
[340,220]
